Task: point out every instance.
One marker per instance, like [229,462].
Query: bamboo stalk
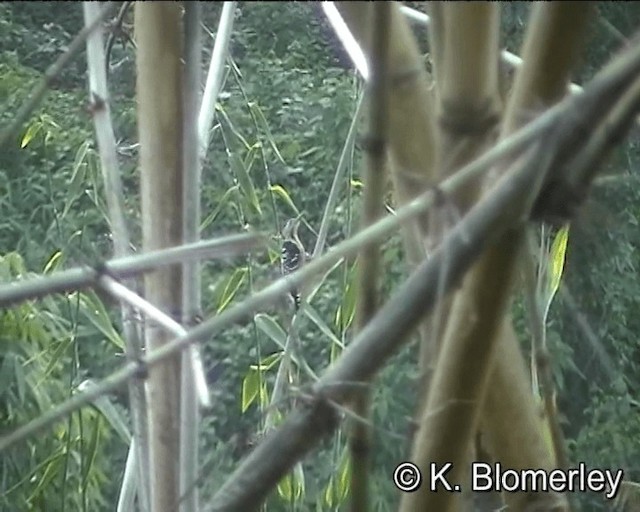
[160,115]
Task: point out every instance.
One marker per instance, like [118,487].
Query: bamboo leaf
[267,362]
[93,452]
[347,309]
[231,287]
[324,328]
[250,389]
[257,111]
[285,487]
[298,481]
[77,182]
[232,142]
[53,263]
[345,476]
[220,204]
[338,487]
[93,309]
[291,487]
[111,414]
[557,256]
[284,195]
[29,135]
[244,180]
[271,328]
[328,493]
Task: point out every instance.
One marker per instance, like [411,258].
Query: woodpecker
[292,254]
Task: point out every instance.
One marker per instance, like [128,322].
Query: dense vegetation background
[281,122]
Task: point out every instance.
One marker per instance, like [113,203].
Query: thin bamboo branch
[129,266]
[193,383]
[126,295]
[337,178]
[116,28]
[214,76]
[50,75]
[99,92]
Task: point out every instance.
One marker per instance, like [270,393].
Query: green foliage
[69,467]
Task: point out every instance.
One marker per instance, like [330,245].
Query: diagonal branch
[129,266]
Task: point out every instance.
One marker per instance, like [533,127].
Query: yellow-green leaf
[345,476]
[250,388]
[231,287]
[53,263]
[291,487]
[267,362]
[347,309]
[556,267]
[558,254]
[31,132]
[285,485]
[284,195]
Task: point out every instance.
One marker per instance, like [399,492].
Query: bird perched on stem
[292,254]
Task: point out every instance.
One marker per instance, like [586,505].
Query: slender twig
[129,266]
[126,295]
[50,75]
[193,387]
[114,195]
[337,178]
[116,27]
[214,77]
